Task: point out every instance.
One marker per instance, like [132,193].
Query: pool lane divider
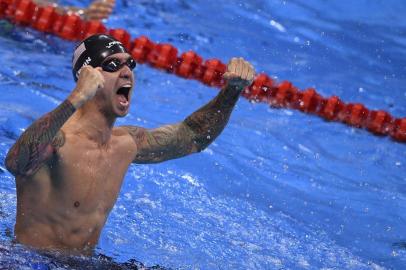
[190,65]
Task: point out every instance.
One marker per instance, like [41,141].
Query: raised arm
[38,142]
[199,129]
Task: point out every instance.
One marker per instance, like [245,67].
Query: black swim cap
[93,50]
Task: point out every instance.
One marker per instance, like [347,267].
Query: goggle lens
[114,64]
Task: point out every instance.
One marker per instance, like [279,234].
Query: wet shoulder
[125,133]
[132,132]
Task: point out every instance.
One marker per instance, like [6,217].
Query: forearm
[208,122]
[35,144]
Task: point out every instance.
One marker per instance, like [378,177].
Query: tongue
[122,99]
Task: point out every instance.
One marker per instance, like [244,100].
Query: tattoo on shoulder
[137,133]
[59,139]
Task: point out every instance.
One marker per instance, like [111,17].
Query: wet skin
[69,164]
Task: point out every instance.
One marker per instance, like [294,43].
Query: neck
[95,124]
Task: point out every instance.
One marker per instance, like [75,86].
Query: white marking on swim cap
[86,63]
[78,52]
[112,43]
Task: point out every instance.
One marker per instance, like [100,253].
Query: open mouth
[123,94]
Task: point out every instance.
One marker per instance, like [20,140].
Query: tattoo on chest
[59,139]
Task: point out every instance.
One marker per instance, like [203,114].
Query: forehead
[120,56]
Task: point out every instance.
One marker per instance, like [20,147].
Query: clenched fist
[240,73]
[89,81]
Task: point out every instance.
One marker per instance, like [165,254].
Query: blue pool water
[278,189]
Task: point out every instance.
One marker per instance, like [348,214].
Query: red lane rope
[192,66]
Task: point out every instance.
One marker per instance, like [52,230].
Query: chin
[121,112]
[122,115]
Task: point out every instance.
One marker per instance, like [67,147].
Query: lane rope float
[190,65]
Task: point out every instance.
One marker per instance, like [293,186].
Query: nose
[126,72]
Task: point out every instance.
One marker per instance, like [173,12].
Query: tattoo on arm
[39,141]
[194,134]
[156,145]
[209,121]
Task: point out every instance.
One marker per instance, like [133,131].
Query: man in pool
[69,164]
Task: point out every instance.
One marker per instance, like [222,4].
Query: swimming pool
[278,189]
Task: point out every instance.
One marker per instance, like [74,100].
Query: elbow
[14,162]
[11,164]
[199,145]
[18,168]
[198,139]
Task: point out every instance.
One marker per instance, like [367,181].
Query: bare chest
[90,176]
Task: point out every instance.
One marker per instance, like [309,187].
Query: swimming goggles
[114,64]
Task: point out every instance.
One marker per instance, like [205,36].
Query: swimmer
[69,165]
[97,10]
